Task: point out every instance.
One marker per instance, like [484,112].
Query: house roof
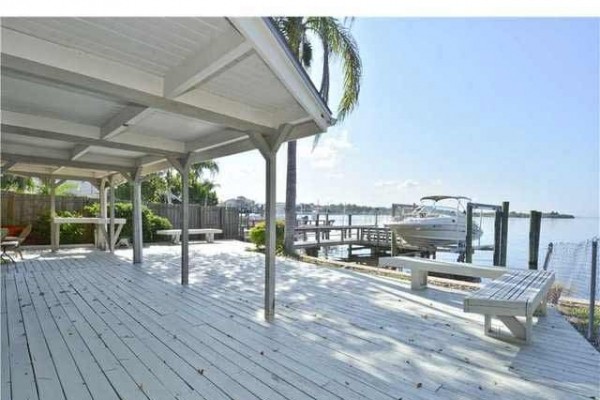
[93,97]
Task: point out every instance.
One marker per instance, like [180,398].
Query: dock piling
[469,237]
[535,222]
[504,233]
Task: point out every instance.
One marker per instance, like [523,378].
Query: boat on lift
[438,221]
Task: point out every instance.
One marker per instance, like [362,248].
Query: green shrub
[258,236]
[69,233]
[150,221]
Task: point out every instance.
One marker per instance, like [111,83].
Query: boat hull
[432,233]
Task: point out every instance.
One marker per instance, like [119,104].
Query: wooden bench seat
[420,267]
[514,294]
[176,233]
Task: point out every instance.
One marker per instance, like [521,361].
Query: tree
[16,183]
[336,41]
[165,186]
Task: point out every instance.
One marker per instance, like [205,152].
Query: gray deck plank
[23,383]
[337,334]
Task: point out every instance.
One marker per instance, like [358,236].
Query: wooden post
[138,240]
[548,255]
[348,232]
[591,332]
[101,240]
[185,222]
[394,239]
[504,233]
[535,221]
[54,228]
[269,153]
[271,239]
[497,236]
[112,240]
[469,238]
[327,224]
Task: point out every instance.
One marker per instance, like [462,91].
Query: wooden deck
[88,325]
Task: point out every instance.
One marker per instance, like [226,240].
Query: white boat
[434,223]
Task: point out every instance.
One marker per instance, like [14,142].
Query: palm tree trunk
[290,199]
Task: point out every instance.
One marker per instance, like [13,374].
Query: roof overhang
[94,97]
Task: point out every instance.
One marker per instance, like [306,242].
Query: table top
[86,220]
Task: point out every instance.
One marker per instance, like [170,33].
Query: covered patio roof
[90,97]
[93,98]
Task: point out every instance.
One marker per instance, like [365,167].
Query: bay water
[571,239]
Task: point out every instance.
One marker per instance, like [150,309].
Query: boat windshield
[434,208]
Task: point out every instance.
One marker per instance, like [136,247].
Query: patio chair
[13,243]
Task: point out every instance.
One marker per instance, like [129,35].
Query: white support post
[112,238]
[138,242]
[182,165]
[185,224]
[269,153]
[100,236]
[53,227]
[270,221]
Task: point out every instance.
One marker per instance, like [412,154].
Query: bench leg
[517,328]
[418,280]
[487,325]
[210,237]
[176,239]
[542,309]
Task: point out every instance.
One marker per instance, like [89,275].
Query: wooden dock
[86,325]
[339,235]
[379,239]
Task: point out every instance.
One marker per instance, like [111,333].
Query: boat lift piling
[500,231]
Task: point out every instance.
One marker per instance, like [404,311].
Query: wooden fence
[26,208]
[227,219]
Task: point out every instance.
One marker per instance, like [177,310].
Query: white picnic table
[100,223]
[176,233]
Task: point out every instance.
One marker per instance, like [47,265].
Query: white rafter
[226,50]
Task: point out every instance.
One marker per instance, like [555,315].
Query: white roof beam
[80,140]
[227,49]
[224,137]
[120,122]
[222,151]
[79,151]
[210,101]
[79,176]
[41,160]
[125,93]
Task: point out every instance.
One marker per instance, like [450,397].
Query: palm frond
[341,44]
[306,53]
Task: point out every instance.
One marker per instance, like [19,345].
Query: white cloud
[329,151]
[409,183]
[397,185]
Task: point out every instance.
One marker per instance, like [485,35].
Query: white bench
[420,267]
[176,233]
[516,293]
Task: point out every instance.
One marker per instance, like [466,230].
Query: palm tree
[336,41]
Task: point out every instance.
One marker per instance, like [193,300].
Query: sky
[494,109]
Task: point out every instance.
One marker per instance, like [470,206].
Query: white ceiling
[116,94]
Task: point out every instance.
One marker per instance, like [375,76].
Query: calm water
[570,262]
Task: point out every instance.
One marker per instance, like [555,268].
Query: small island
[551,214]
[518,214]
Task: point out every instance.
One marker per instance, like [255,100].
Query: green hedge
[258,236]
[150,221]
[69,233]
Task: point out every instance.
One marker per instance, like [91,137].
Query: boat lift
[501,213]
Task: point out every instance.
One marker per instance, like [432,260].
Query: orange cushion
[13,230]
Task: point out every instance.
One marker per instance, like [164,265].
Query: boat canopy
[444,197]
